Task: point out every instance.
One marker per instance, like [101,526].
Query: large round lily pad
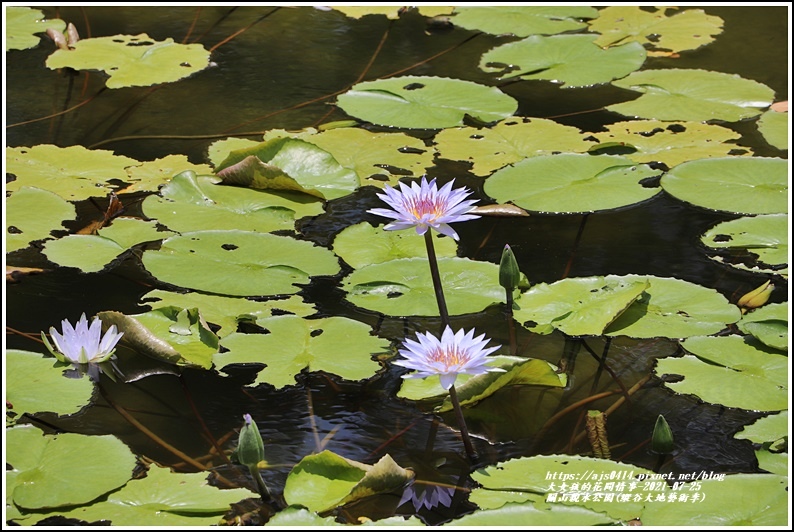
[572,183]
[523,20]
[742,185]
[239,263]
[425,102]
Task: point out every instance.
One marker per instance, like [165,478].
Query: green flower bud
[250,448]
[662,439]
[509,274]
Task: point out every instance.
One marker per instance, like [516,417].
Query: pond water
[263,79]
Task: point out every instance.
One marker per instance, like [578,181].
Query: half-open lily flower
[456,353]
[83,344]
[424,206]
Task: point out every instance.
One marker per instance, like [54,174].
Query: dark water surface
[296,55]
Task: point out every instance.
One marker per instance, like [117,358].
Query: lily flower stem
[464,432]
[431,257]
[260,484]
[510,325]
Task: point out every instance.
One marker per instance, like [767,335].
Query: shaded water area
[261,81]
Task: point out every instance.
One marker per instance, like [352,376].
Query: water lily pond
[459,266]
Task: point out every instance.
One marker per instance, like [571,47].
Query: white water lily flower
[455,354]
[424,206]
[83,344]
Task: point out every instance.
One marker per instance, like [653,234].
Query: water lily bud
[757,297]
[662,439]
[509,274]
[250,448]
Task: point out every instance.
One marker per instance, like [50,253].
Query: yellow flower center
[448,357]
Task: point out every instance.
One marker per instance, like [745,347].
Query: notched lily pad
[133,60]
[758,243]
[23,23]
[523,21]
[33,214]
[769,324]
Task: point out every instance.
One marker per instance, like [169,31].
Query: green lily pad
[195,203]
[287,164]
[578,306]
[570,60]
[227,312]
[513,515]
[133,60]
[572,183]
[239,263]
[671,143]
[404,287]
[165,499]
[356,12]
[737,500]
[774,128]
[74,173]
[508,142]
[323,481]
[769,324]
[729,371]
[742,185]
[23,23]
[171,334]
[691,94]
[220,149]
[48,474]
[336,345]
[472,389]
[765,237]
[523,21]
[767,429]
[150,175]
[40,386]
[536,478]
[684,30]
[776,463]
[383,246]
[378,159]
[672,308]
[32,214]
[425,102]
[298,516]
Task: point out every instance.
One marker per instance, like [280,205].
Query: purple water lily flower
[82,344]
[452,355]
[424,206]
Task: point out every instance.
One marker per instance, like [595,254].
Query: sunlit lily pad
[227,312]
[523,20]
[378,159]
[297,515]
[291,344]
[767,429]
[669,143]
[32,214]
[672,308]
[23,23]
[529,477]
[571,60]
[92,253]
[691,94]
[74,173]
[356,12]
[765,237]
[165,499]
[383,246]
[737,500]
[171,334]
[769,324]
[572,183]
[507,142]
[774,127]
[403,287]
[47,472]
[133,60]
[472,389]
[239,263]
[528,514]
[684,30]
[742,185]
[150,175]
[287,164]
[194,203]
[326,480]
[578,306]
[40,386]
[425,102]
[730,371]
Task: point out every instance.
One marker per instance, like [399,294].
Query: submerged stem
[431,257]
[464,432]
